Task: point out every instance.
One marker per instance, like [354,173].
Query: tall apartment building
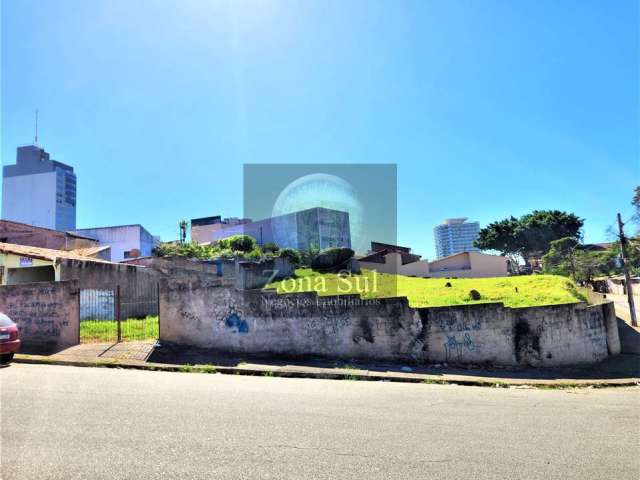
[315,227]
[39,191]
[455,235]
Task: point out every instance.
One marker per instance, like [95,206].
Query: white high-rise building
[455,235]
[39,191]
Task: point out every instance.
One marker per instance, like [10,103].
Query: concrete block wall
[47,313]
[209,314]
[138,285]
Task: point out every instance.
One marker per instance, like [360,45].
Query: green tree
[561,257]
[635,201]
[530,235]
[567,257]
[501,236]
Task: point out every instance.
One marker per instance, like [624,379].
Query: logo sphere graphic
[319,190]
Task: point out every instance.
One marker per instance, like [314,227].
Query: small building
[126,241]
[385,258]
[469,265]
[315,227]
[97,279]
[25,264]
[30,235]
[202,229]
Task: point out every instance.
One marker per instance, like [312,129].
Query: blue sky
[489,108]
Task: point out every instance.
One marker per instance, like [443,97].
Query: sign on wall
[26,262]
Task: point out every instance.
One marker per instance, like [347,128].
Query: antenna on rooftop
[36,127]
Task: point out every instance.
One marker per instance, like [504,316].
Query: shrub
[238,243]
[254,254]
[475,295]
[270,247]
[292,255]
[448,284]
[185,250]
[332,258]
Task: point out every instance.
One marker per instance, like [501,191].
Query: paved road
[622,303]
[90,423]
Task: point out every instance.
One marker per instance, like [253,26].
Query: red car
[9,339]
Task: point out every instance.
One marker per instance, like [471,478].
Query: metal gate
[119,314]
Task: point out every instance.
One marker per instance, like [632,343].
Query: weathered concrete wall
[138,285]
[250,275]
[210,315]
[47,314]
[175,266]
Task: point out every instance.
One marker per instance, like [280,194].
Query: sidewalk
[621,370]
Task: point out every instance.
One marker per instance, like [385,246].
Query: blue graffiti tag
[452,345]
[234,321]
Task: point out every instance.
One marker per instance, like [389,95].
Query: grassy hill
[520,291]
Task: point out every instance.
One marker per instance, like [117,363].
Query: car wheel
[6,358]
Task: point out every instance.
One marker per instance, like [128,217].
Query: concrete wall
[138,285]
[249,275]
[176,265]
[47,314]
[210,315]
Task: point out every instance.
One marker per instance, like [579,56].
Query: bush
[185,250]
[307,256]
[292,255]
[238,243]
[332,258]
[270,247]
[475,295]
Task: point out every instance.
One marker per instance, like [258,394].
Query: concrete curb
[337,374]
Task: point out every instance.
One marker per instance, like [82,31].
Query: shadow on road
[618,366]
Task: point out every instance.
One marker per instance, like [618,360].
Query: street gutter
[337,374]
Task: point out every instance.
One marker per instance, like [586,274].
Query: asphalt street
[93,423]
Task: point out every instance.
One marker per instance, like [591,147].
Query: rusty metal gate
[119,314]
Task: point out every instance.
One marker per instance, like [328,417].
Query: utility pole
[627,277]
[183,230]
[36,127]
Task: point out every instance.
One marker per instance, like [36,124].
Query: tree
[501,236]
[561,257]
[530,235]
[635,201]
[567,257]
[538,229]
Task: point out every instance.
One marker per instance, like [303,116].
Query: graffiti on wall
[40,312]
[456,346]
[237,324]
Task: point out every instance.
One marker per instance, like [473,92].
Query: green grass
[97,331]
[532,290]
